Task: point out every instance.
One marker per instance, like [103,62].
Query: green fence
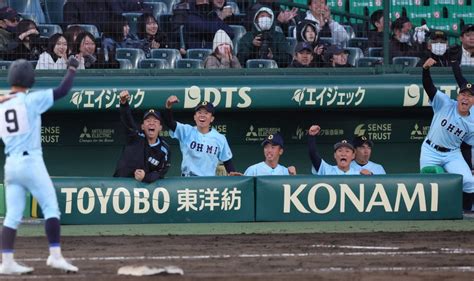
[270,198]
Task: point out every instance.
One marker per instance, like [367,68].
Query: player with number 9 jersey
[20,130]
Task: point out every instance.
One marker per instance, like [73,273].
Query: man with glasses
[9,19]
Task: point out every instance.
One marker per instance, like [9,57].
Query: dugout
[83,136]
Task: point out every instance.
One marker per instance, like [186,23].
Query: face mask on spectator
[265,23]
[439,48]
[405,38]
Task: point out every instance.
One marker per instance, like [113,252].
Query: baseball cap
[467,28]
[7,13]
[343,143]
[438,34]
[333,50]
[358,141]
[467,87]
[303,46]
[275,139]
[206,105]
[153,113]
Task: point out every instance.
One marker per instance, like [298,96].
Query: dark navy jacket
[138,154]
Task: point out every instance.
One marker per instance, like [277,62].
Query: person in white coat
[223,52]
[55,56]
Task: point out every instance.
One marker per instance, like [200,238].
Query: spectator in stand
[335,56]
[28,43]
[436,48]
[375,39]
[402,43]
[224,11]
[200,25]
[118,36]
[320,13]
[86,50]
[284,18]
[9,19]
[307,31]
[150,34]
[71,34]
[464,53]
[55,56]
[98,13]
[222,55]
[263,42]
[303,56]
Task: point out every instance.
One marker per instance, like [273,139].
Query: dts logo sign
[414,94]
[227,96]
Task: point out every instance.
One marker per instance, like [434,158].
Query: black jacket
[441,61]
[399,49]
[375,39]
[98,12]
[138,154]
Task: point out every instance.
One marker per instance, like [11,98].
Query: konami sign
[356,196]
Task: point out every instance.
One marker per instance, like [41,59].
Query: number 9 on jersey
[13,120]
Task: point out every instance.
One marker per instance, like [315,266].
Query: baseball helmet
[21,74]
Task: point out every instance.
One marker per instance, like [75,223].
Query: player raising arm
[146,156]
[452,124]
[20,130]
[344,153]
[202,146]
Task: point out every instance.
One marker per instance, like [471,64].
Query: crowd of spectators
[270,33]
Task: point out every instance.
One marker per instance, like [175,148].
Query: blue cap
[206,105]
[275,139]
[153,113]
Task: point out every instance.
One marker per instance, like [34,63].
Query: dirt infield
[358,256]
